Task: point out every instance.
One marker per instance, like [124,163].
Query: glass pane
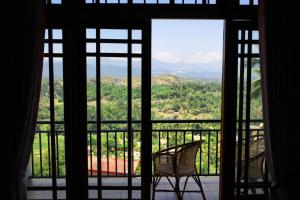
[113,34]
[113,48]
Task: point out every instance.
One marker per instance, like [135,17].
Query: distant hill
[118,68]
[156,80]
[212,70]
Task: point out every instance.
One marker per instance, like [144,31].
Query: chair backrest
[186,159]
[257,146]
[256,159]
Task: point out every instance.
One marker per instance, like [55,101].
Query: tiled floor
[210,186]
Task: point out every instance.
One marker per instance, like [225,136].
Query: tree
[256,84]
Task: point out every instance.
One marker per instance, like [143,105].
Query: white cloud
[205,57]
[116,58]
[199,57]
[166,56]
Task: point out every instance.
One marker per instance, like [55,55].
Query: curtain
[25,21]
[280,53]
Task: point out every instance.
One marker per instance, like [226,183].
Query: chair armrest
[175,148]
[162,153]
[165,151]
[262,154]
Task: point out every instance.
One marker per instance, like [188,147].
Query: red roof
[111,167]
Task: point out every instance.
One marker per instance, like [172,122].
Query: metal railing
[114,151]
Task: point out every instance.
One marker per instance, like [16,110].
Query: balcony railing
[114,151]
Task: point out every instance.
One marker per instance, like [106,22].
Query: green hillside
[172,98]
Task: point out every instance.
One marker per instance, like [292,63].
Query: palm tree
[256,84]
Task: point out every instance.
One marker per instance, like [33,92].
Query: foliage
[172,98]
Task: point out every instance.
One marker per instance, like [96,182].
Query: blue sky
[187,41]
[179,47]
[173,41]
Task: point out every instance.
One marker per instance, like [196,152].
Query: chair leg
[154,185]
[177,189]
[185,183]
[198,181]
[153,188]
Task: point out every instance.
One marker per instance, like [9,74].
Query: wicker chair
[256,170]
[178,161]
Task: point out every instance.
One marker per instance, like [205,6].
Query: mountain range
[117,68]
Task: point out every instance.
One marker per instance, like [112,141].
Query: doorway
[125,51]
[186,96]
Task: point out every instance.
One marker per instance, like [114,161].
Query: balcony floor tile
[210,186]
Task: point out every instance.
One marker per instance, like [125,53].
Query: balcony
[114,156]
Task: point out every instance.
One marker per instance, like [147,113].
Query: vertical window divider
[229,110]
[129,112]
[248,104]
[52,114]
[98,111]
[240,114]
[146,132]
[75,101]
